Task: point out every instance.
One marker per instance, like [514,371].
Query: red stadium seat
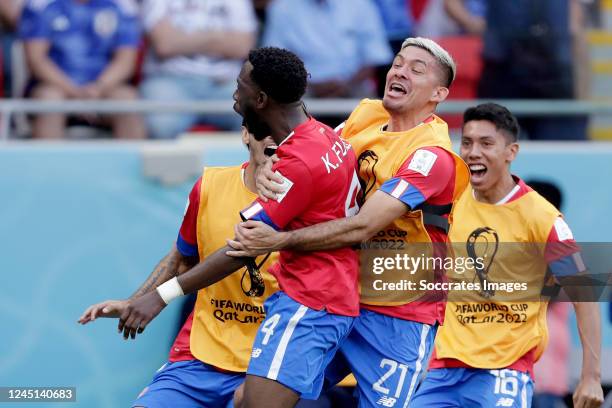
[467,53]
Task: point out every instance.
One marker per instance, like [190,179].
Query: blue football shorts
[474,388]
[294,344]
[388,357]
[190,384]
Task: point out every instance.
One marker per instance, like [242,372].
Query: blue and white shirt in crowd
[83,35]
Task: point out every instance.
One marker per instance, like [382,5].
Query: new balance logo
[256,352]
[386,401]
[504,402]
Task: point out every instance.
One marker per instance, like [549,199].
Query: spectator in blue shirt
[340,43]
[81,49]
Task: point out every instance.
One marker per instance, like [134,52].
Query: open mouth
[478,171]
[396,89]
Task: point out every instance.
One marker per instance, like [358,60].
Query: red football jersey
[321,184]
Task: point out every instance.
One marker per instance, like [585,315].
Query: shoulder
[539,207]
[369,112]
[220,171]
[541,215]
[430,158]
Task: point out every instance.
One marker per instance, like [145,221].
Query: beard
[255,125]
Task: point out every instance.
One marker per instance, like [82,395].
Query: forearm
[221,44]
[214,268]
[589,327]
[334,234]
[378,212]
[234,45]
[120,70]
[45,70]
[173,264]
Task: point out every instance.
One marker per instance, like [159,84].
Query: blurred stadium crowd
[193,49]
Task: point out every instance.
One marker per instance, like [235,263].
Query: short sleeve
[128,32]
[35,22]
[562,253]
[426,174]
[297,183]
[187,241]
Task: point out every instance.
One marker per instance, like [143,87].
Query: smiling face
[488,152]
[414,80]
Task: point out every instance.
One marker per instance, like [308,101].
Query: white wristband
[170,290]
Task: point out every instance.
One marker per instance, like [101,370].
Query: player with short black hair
[279,74]
[309,318]
[499,115]
[485,351]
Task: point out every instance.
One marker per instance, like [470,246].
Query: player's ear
[439,94]
[262,100]
[245,135]
[512,149]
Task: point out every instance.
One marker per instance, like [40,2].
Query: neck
[282,120]
[401,122]
[498,191]
[249,175]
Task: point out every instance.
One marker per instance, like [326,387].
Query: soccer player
[210,355]
[312,314]
[410,178]
[485,352]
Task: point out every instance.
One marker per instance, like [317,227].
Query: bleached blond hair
[442,57]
